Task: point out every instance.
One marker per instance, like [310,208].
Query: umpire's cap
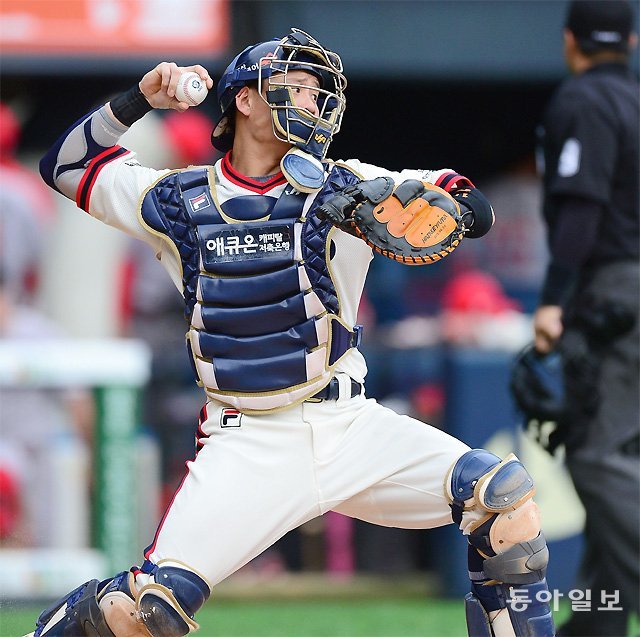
[601,24]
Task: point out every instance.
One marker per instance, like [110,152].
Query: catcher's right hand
[159,84]
[414,223]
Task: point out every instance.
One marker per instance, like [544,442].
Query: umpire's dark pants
[602,452]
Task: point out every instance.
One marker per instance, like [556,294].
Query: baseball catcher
[270,249]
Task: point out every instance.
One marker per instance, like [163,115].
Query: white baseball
[191,89]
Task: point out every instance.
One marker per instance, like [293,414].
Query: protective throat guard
[303,171]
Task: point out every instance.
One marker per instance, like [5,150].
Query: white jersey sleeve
[445,178]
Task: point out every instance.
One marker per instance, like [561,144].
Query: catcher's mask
[272,61]
[537,385]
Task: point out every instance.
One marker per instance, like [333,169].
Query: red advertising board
[114,27]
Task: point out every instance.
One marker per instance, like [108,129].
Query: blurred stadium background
[433,83]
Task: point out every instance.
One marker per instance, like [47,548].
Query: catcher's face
[258,121]
[304,89]
[304,113]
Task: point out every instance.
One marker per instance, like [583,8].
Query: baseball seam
[187,92]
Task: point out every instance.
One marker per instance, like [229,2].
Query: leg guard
[491,502]
[170,599]
[117,601]
[522,615]
[157,601]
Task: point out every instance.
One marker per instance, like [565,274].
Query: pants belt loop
[344,385]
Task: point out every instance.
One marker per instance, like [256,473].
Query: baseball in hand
[191,89]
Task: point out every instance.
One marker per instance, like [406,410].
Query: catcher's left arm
[413,222]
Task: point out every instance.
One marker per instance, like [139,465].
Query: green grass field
[349,618]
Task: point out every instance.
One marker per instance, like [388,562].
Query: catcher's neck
[254,159]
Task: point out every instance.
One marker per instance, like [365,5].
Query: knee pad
[480,480]
[505,524]
[168,602]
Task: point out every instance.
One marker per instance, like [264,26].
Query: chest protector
[265,330]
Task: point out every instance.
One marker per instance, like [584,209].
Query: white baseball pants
[253,482]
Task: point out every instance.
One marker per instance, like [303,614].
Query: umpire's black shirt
[591,154]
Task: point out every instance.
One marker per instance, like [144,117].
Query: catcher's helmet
[273,60]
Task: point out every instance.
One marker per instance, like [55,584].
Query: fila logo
[321,139]
[199,202]
[230,418]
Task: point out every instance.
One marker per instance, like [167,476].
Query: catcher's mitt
[414,223]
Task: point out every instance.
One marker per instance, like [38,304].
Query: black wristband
[558,284]
[130,106]
[482,217]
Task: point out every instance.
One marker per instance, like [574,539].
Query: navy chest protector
[265,329]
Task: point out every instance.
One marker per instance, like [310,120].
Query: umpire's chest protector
[265,328]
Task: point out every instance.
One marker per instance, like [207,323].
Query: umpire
[590,297]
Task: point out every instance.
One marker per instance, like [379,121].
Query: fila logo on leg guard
[230,418]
